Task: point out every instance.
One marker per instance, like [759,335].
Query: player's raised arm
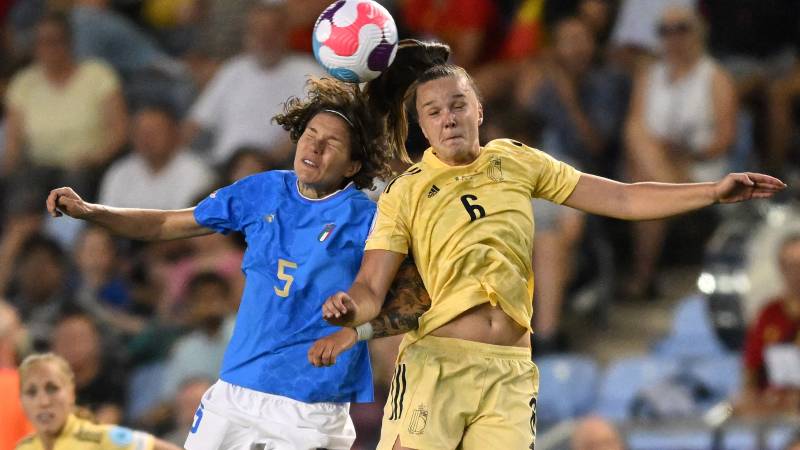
[406,301]
[363,301]
[646,201]
[142,224]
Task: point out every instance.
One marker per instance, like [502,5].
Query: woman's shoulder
[29,442]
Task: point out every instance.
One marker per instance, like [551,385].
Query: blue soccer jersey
[299,252]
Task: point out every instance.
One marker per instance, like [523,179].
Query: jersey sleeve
[18,90]
[223,210]
[389,229]
[104,79]
[121,438]
[553,180]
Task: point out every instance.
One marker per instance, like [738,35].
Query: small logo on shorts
[419,419]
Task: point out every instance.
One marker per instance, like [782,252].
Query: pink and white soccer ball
[355,40]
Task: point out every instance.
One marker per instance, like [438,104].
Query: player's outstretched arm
[646,201]
[406,301]
[364,300]
[141,224]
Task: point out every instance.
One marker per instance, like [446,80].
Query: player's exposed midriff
[485,323]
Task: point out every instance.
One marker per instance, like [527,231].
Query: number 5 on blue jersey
[282,275]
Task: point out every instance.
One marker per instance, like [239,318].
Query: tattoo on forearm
[406,301]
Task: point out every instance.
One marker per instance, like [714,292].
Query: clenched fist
[325,350]
[65,200]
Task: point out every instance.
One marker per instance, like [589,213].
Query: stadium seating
[144,389]
[721,374]
[567,387]
[692,334]
[625,378]
[669,440]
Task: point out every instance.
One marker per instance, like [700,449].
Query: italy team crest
[326,232]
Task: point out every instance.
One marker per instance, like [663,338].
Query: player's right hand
[339,309]
[65,200]
[325,350]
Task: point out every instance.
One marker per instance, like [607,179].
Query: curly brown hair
[368,138]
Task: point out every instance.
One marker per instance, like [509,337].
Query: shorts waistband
[449,346]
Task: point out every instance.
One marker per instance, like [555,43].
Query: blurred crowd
[156,103]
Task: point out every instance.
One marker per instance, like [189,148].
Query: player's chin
[309,176]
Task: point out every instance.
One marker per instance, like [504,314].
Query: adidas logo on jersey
[434,190]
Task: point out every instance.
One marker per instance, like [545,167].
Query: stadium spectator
[211,319]
[596,433]
[102,33]
[777,323]
[99,273]
[64,118]
[465,25]
[101,288]
[634,39]
[765,69]
[48,396]
[98,380]
[244,162]
[237,104]
[220,30]
[581,108]
[598,15]
[184,405]
[13,423]
[159,173]
[39,289]
[302,17]
[783,93]
[149,73]
[753,62]
[680,127]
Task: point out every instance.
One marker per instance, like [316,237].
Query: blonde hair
[43,358]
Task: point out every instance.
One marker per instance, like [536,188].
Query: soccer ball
[355,40]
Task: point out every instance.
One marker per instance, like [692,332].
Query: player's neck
[458,157]
[315,192]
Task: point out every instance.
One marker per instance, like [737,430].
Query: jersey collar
[315,200]
[431,159]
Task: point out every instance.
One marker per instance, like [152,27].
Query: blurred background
[678,334]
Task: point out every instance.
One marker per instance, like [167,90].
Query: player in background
[47,389]
[464,377]
[305,231]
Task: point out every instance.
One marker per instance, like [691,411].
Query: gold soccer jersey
[470,228]
[80,434]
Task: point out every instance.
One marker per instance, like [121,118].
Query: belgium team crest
[419,419]
[495,170]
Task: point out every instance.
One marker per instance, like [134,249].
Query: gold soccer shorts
[451,394]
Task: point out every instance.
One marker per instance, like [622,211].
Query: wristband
[364,331]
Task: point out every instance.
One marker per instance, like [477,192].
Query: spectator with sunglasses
[680,127]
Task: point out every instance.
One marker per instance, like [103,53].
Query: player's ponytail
[387,93]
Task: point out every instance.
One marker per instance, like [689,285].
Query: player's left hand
[325,350]
[339,309]
[739,187]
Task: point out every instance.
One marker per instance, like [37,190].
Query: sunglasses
[671,29]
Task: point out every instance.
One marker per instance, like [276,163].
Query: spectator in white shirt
[159,173]
[237,104]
